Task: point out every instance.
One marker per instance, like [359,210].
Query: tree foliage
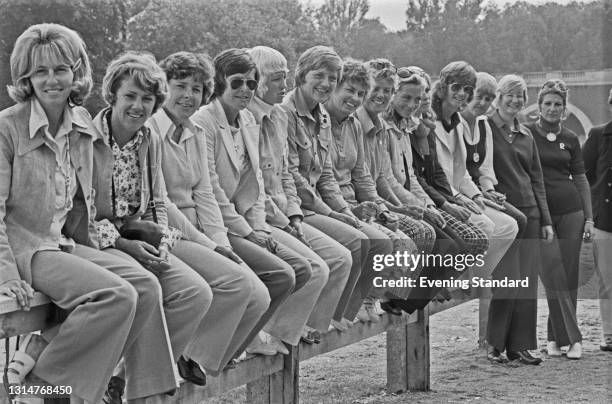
[517,38]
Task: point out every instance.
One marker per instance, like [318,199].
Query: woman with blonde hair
[513,311]
[47,239]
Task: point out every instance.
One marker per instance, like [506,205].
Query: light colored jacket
[27,189]
[282,200]
[452,159]
[241,198]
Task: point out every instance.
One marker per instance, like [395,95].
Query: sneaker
[260,346]
[277,344]
[339,325]
[362,315]
[575,351]
[370,308]
[553,349]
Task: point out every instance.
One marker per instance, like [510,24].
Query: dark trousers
[559,274]
[513,311]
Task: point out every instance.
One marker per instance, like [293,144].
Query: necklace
[550,136]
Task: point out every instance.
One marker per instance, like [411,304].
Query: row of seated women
[206,212]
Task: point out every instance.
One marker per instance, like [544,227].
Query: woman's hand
[263,239]
[366,211]
[494,196]
[548,233]
[295,223]
[432,215]
[228,253]
[457,211]
[589,228]
[149,257]
[389,220]
[470,204]
[349,219]
[20,290]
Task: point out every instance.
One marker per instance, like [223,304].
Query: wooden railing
[275,379]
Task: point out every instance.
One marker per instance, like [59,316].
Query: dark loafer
[114,391]
[495,356]
[606,346]
[390,308]
[191,371]
[524,357]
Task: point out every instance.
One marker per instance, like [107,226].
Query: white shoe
[575,351]
[277,344]
[362,315]
[261,346]
[553,349]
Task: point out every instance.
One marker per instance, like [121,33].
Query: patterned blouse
[127,180]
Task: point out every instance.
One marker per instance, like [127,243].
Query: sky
[392,12]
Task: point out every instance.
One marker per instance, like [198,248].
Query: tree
[339,21]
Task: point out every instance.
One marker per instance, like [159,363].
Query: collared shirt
[517,166]
[348,161]
[309,138]
[282,201]
[64,175]
[127,182]
[401,175]
[187,178]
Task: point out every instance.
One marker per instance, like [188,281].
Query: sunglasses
[456,87]
[237,83]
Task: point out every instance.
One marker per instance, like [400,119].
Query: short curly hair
[181,65]
[232,61]
[554,86]
[40,44]
[137,66]
[354,71]
[316,58]
[382,69]
[485,84]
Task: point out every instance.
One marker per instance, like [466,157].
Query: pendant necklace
[550,136]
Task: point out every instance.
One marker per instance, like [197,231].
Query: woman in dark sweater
[513,311]
[569,202]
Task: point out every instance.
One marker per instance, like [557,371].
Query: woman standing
[569,202]
[239,297]
[513,311]
[47,239]
[598,160]
[130,191]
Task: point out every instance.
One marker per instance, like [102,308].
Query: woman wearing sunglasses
[309,138]
[232,136]
[239,297]
[47,239]
[130,191]
[513,311]
[569,202]
[597,157]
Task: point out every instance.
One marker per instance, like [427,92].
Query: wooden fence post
[408,355]
[281,387]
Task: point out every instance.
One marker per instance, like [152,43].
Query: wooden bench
[275,379]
